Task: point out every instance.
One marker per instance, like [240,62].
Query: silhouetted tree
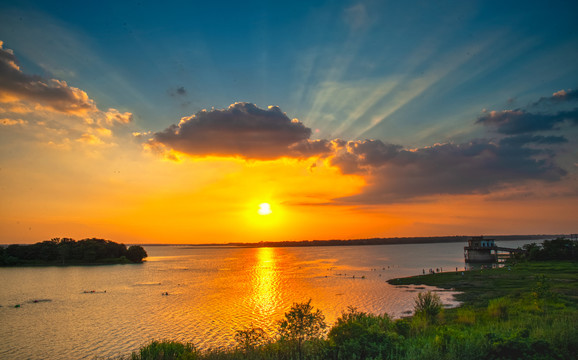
[301,323]
[250,338]
[136,253]
[557,249]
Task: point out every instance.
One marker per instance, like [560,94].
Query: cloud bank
[55,94]
[51,107]
[523,121]
[393,173]
[242,130]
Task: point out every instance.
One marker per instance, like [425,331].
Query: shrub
[541,289]
[250,338]
[498,308]
[428,305]
[358,335]
[519,345]
[402,327]
[166,350]
[466,316]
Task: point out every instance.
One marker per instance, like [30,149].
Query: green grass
[478,287]
[166,350]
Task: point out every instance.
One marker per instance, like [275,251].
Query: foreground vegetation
[526,310]
[67,251]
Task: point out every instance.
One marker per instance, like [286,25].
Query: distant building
[480,250]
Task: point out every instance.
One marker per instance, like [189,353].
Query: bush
[498,308]
[428,305]
[541,289]
[250,338]
[402,327]
[358,335]
[166,350]
[519,345]
[466,316]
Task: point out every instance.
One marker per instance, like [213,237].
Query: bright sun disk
[264,209]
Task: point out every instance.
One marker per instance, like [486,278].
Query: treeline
[384,241]
[66,251]
[557,249]
[356,242]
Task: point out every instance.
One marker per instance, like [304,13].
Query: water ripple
[212,294]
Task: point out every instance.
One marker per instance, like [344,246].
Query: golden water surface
[83,312]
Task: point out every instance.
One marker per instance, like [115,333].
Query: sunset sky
[172,122]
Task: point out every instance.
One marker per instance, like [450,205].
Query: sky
[175,121]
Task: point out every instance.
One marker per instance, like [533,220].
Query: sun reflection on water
[265,282]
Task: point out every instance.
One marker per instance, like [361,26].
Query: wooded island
[66,251]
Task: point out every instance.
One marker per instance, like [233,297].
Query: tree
[250,338]
[301,323]
[136,253]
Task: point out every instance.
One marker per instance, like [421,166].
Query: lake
[83,312]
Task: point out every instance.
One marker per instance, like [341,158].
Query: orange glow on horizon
[157,201]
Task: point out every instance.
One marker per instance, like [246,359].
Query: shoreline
[478,287]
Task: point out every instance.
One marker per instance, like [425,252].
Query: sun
[264,209]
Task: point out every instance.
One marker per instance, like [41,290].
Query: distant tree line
[63,251]
[557,249]
[383,241]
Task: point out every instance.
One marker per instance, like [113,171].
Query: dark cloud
[243,130]
[520,154]
[557,98]
[308,148]
[511,122]
[55,94]
[394,174]
[373,153]
[521,140]
[546,114]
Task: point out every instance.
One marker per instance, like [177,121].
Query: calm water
[212,293]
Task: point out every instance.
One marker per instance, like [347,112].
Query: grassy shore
[527,310]
[478,287]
